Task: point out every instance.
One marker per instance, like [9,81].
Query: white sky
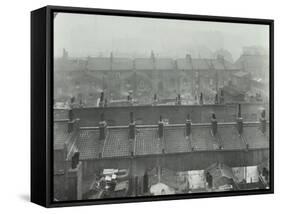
[91,35]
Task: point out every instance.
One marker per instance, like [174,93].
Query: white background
[15,106]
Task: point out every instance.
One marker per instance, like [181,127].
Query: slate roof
[184,64]
[164,64]
[147,142]
[60,134]
[117,143]
[230,138]
[202,138]
[200,64]
[88,144]
[144,64]
[175,140]
[122,64]
[98,63]
[255,138]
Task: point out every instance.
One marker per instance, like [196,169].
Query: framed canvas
[131,106]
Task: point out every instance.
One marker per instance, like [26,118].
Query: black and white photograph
[146,107]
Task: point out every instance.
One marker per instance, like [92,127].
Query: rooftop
[148,142]
[158,63]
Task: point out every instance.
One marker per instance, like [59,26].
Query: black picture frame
[42,103]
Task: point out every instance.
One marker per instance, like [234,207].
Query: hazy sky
[92,35]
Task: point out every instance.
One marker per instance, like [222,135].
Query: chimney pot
[132,127]
[239,120]
[214,124]
[160,128]
[263,122]
[188,126]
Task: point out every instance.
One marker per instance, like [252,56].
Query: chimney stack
[70,122]
[70,126]
[188,126]
[239,120]
[222,97]
[155,99]
[201,102]
[102,127]
[72,100]
[179,99]
[263,122]
[214,124]
[132,127]
[160,128]
[216,99]
[101,103]
[70,114]
[75,160]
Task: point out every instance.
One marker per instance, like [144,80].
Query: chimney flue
[70,114]
[101,103]
[239,120]
[216,99]
[263,122]
[222,97]
[188,126]
[102,127]
[201,102]
[75,160]
[70,126]
[214,124]
[132,127]
[160,128]
[179,99]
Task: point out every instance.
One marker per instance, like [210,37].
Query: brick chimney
[70,114]
[75,160]
[101,103]
[263,122]
[239,120]
[160,127]
[132,127]
[155,99]
[188,126]
[102,127]
[70,123]
[214,124]
[216,99]
[221,97]
[72,100]
[179,99]
[73,125]
[201,102]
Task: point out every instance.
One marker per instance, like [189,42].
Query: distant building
[144,76]
[254,60]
